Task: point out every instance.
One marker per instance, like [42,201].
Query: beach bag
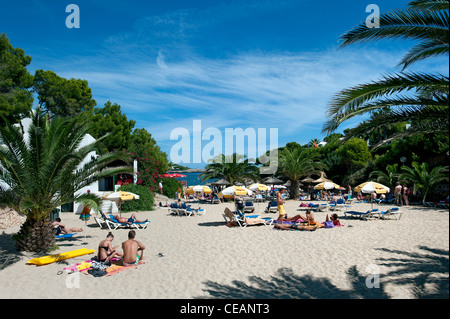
[329,224]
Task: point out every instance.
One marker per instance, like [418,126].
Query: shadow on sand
[418,269]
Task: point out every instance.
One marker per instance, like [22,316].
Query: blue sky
[231,64]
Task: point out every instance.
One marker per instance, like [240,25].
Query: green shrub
[170,186]
[145,201]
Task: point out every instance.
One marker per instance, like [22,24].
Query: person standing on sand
[398,194]
[280,204]
[405,194]
[160,187]
[133,250]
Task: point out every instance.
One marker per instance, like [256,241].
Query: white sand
[204,258]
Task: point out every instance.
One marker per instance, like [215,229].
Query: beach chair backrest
[340,201]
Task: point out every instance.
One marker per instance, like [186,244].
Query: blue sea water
[193,179]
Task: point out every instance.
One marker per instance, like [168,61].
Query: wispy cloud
[161,77]
[288,91]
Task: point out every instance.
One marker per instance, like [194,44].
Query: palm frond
[409,23]
[353,101]
[430,4]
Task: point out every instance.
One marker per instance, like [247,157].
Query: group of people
[401,194]
[307,222]
[132,250]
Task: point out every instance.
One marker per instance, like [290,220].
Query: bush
[145,201]
[170,187]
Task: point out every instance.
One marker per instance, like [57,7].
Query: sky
[185,69]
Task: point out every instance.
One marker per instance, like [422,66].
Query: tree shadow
[8,253]
[417,269]
[420,270]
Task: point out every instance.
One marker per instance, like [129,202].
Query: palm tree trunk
[36,236]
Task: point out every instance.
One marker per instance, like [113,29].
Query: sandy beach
[200,257]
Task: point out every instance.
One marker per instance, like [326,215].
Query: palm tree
[426,104]
[388,177]
[296,163]
[233,168]
[43,169]
[423,178]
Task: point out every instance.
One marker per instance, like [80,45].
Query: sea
[193,179]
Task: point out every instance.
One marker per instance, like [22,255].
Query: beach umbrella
[372,187]
[326,185]
[273,180]
[322,178]
[221,182]
[234,190]
[198,188]
[120,196]
[257,186]
[307,180]
[176,175]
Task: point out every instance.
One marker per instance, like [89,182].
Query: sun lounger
[190,211]
[430,204]
[369,213]
[442,205]
[249,208]
[272,207]
[101,222]
[216,200]
[394,212]
[65,236]
[240,219]
[113,223]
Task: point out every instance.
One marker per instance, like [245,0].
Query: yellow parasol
[234,190]
[120,197]
[198,188]
[326,185]
[259,187]
[370,187]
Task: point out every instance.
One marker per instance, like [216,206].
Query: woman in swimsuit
[105,250]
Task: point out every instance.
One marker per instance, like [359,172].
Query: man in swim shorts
[129,220]
[133,250]
[280,202]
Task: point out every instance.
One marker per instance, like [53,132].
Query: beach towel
[114,269]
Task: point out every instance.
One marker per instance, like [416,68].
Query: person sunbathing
[309,218]
[129,220]
[61,229]
[294,218]
[334,218]
[296,227]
